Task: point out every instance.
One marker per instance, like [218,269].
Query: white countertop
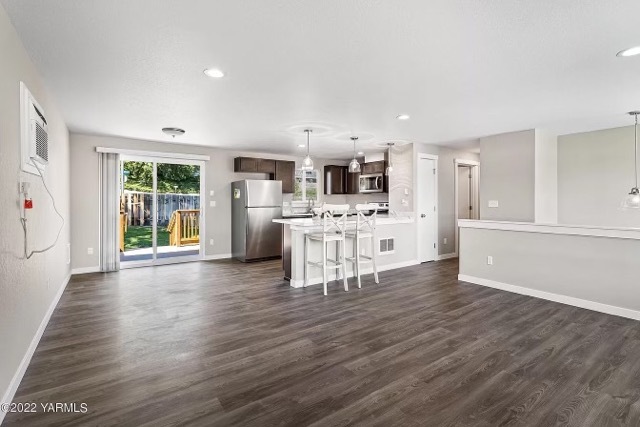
[568,229]
[314,223]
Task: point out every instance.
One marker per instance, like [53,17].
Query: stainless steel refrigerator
[254,206]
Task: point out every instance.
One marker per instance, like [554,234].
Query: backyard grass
[138,237]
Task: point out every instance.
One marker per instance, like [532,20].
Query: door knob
[423,215]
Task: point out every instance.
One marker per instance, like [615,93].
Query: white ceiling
[462,69]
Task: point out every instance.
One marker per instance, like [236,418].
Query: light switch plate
[89,251]
[493,203]
[212,193]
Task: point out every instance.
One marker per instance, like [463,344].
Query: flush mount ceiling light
[389,169]
[307,163]
[301,145]
[632,51]
[632,201]
[360,153]
[403,117]
[173,131]
[354,166]
[214,72]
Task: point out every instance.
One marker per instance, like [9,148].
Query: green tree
[171,178]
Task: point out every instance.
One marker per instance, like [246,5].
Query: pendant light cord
[635,158]
[308,131]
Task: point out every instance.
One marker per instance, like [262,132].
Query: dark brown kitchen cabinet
[335,179]
[353,183]
[285,172]
[245,164]
[373,167]
[250,164]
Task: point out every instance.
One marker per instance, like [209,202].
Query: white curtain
[109,212]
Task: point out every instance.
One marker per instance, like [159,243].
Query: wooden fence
[137,206]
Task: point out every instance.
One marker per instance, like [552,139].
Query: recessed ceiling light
[301,145]
[403,117]
[632,51]
[214,72]
[173,131]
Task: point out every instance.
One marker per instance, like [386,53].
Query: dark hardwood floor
[225,343]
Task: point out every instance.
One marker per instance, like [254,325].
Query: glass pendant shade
[632,201]
[389,169]
[307,163]
[354,166]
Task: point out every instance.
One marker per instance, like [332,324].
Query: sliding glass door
[160,211]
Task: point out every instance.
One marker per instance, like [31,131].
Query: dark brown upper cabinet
[353,182]
[373,167]
[285,172]
[335,180]
[245,164]
[251,164]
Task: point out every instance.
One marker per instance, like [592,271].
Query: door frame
[420,187]
[202,232]
[475,194]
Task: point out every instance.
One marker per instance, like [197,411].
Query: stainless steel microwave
[373,183]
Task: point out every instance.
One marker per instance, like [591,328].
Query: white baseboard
[26,359]
[563,299]
[217,256]
[367,270]
[85,270]
[447,256]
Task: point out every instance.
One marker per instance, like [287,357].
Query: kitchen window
[306,185]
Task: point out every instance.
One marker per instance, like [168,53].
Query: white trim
[475,184]
[178,259]
[368,270]
[85,270]
[563,299]
[216,256]
[571,230]
[418,195]
[160,154]
[26,359]
[447,256]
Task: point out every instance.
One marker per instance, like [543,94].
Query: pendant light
[307,163]
[389,169]
[632,201]
[354,166]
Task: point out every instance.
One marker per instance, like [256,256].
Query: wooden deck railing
[123,229]
[184,227]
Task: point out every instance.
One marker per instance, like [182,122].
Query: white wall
[546,177]
[446,185]
[594,270]
[219,175]
[507,174]
[27,287]
[595,173]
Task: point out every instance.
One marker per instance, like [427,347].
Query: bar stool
[365,229]
[334,225]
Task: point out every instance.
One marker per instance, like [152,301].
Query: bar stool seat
[365,229]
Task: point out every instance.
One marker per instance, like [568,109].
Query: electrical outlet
[489,260]
[493,204]
[211,242]
[406,191]
[444,241]
[89,251]
[212,203]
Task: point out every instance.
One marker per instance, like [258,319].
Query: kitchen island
[395,245]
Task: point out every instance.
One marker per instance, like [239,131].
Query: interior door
[427,209]
[464,192]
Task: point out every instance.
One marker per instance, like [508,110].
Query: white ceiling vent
[34,136]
